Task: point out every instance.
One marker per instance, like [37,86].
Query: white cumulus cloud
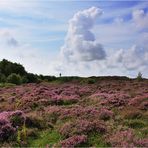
[135,58]
[80,43]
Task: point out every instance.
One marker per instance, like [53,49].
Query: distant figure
[60,74]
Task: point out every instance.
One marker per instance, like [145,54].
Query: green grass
[7,85]
[95,140]
[44,138]
[135,124]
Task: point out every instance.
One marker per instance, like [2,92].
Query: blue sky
[76,37]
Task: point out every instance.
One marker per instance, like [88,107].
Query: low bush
[2,78]
[14,78]
[133,114]
[17,118]
[105,114]
[135,123]
[88,81]
[74,141]
[82,127]
[35,122]
[10,122]
[7,132]
[126,138]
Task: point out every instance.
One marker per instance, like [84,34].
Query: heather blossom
[82,127]
[105,114]
[126,138]
[9,122]
[73,141]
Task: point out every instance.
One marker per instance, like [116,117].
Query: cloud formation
[11,41]
[80,43]
[140,18]
[8,39]
[135,58]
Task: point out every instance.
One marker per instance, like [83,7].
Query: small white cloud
[140,18]
[80,43]
[131,59]
[12,42]
[8,39]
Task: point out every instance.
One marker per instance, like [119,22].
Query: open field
[88,112]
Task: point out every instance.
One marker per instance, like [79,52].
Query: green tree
[24,79]
[139,76]
[14,78]
[2,78]
[8,68]
[32,78]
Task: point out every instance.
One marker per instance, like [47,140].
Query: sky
[76,38]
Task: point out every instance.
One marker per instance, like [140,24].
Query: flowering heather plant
[105,114]
[73,141]
[126,139]
[138,100]
[17,118]
[144,105]
[9,122]
[85,90]
[78,111]
[82,127]
[6,131]
[114,99]
[52,95]
[4,118]
[132,114]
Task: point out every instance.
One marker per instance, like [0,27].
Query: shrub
[24,79]
[105,114]
[91,81]
[74,141]
[135,114]
[135,123]
[82,127]
[14,78]
[9,125]
[17,118]
[139,76]
[35,121]
[2,78]
[126,139]
[32,78]
[88,81]
[6,132]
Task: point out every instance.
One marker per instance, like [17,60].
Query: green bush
[135,123]
[139,76]
[88,81]
[7,85]
[14,78]
[2,78]
[24,79]
[32,78]
[91,81]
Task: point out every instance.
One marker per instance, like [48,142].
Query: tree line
[15,73]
